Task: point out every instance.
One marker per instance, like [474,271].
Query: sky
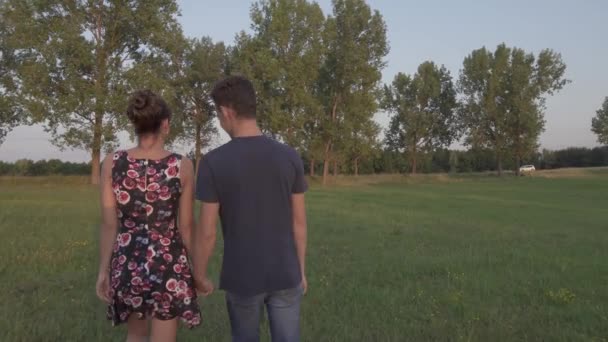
[442,31]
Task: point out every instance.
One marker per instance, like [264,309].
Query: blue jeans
[283,314]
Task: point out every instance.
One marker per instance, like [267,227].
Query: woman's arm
[186,202]
[109,226]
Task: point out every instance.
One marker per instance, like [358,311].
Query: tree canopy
[504,98]
[74,60]
[71,65]
[599,124]
[424,111]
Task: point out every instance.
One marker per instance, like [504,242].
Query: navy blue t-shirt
[253,179]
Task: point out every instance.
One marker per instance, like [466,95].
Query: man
[256,186]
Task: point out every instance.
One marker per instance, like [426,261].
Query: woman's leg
[137,329]
[163,331]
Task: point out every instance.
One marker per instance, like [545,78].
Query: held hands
[204,286]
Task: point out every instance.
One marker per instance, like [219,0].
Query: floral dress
[150,273]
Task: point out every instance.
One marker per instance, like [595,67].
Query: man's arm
[205,233]
[299,232]
[205,237]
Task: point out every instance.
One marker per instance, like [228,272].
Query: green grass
[449,259]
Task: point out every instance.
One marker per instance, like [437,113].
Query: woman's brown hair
[146,111]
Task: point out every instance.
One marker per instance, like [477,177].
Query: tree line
[383,161]
[70,66]
[27,167]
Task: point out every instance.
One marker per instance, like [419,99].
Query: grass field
[390,259]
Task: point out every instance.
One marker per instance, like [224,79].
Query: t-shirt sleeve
[206,190]
[299,185]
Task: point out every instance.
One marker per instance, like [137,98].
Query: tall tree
[204,62]
[282,57]
[599,124]
[529,80]
[356,41]
[11,113]
[75,58]
[423,107]
[503,99]
[483,117]
[361,142]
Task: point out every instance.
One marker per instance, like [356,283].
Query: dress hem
[145,315]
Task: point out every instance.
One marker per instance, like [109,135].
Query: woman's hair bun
[146,111]
[140,99]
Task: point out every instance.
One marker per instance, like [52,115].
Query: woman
[144,272]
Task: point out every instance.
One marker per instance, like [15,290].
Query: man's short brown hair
[235,92]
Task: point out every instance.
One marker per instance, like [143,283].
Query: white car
[527,169]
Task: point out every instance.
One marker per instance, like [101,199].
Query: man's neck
[246,128]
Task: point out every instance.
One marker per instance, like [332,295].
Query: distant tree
[389,161]
[439,161]
[23,167]
[282,57]
[75,60]
[54,167]
[529,80]
[6,168]
[547,159]
[453,161]
[599,156]
[202,64]
[503,99]
[485,123]
[26,167]
[11,113]
[355,38]
[575,157]
[361,141]
[599,124]
[423,107]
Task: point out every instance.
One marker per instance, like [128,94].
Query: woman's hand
[203,285]
[103,287]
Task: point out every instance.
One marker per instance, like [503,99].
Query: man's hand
[103,287]
[304,284]
[204,286]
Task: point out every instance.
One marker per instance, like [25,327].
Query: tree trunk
[335,168]
[328,144]
[414,165]
[326,163]
[325,171]
[100,92]
[312,167]
[414,160]
[96,148]
[197,144]
[499,164]
[197,151]
[356,166]
[517,164]
[95,166]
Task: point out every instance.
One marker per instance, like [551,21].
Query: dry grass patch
[366,180]
[571,172]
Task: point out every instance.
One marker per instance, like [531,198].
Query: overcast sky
[442,31]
